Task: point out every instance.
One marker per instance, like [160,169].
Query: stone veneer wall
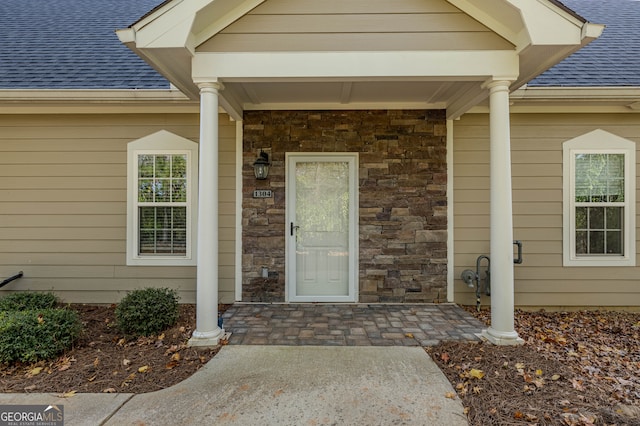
[403,200]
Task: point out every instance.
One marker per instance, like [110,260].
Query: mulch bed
[577,368]
[104,361]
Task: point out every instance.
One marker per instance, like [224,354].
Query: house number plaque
[262,193]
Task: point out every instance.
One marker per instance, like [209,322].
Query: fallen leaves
[126,382]
[573,370]
[171,365]
[68,394]
[35,371]
[476,374]
[577,384]
[65,363]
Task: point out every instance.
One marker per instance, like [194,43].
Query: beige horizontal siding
[355,23]
[97,195]
[63,183]
[306,25]
[76,221]
[55,258]
[536,142]
[354,6]
[62,170]
[353,42]
[70,247]
[9,207]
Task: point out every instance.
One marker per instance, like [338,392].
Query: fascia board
[176,36]
[126,36]
[169,26]
[547,24]
[220,20]
[154,14]
[631,94]
[77,101]
[354,65]
[510,29]
[103,95]
[539,22]
[337,106]
[586,100]
[591,31]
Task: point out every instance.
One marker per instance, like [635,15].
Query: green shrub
[28,300]
[148,311]
[33,335]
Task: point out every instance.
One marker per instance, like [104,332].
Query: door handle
[293,228]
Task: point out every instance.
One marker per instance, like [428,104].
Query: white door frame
[290,247]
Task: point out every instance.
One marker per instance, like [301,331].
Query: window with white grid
[161,198]
[599,200]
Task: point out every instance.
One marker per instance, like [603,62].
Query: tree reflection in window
[599,203]
[162,207]
[322,202]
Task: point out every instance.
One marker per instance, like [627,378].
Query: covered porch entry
[266,56]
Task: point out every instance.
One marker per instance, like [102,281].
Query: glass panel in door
[321,228]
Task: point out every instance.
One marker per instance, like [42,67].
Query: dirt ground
[580,368]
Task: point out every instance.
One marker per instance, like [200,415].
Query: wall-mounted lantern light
[261,166]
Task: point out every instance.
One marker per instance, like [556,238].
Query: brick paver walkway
[349,324]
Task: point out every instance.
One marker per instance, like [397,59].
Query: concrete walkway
[282,385]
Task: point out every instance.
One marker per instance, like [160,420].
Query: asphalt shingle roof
[71,44]
[611,60]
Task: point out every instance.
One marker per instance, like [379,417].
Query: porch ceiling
[345,94]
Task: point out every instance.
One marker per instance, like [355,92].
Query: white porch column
[501,331]
[207,332]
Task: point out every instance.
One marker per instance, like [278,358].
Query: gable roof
[71,44]
[613,59]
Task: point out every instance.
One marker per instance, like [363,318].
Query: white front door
[322,227]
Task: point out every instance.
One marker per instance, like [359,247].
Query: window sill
[600,261]
[160,261]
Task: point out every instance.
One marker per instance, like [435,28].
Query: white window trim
[161,142]
[599,142]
